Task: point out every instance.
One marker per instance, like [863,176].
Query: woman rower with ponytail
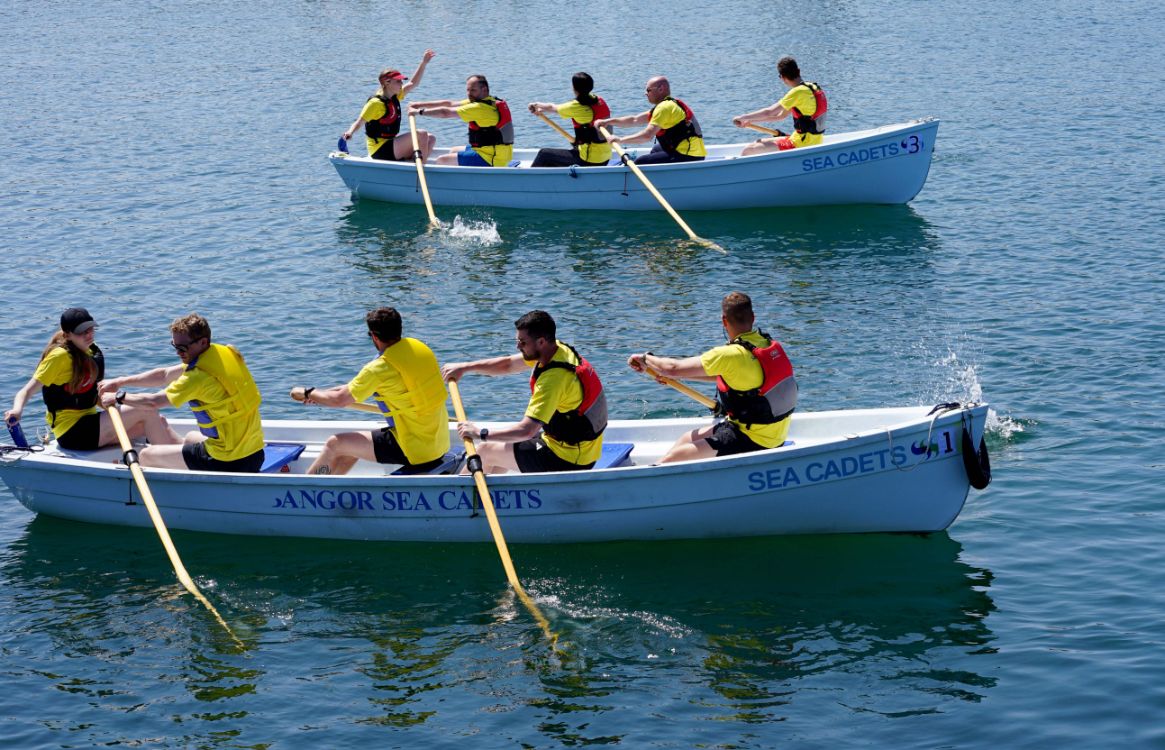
[590,147]
[68,377]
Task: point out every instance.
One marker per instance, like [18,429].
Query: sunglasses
[182,348]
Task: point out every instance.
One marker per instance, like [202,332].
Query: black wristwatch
[120,397]
[483,434]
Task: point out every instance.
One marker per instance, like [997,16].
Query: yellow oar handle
[433,223]
[555,125]
[139,477]
[495,527]
[297,393]
[763,129]
[690,392]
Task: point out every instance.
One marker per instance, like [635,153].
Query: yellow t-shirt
[374,109]
[559,390]
[668,114]
[237,438]
[483,115]
[802,98]
[422,435]
[597,153]
[57,369]
[741,371]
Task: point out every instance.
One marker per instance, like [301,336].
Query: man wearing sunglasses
[214,380]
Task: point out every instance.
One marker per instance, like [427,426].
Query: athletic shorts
[198,459]
[388,451]
[533,455]
[470,158]
[728,440]
[387,152]
[84,435]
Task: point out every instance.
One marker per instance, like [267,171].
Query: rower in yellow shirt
[670,122]
[491,128]
[805,101]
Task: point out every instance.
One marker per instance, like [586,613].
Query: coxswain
[381,117]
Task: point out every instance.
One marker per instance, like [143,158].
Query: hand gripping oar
[139,477]
[763,129]
[474,464]
[689,392]
[433,223]
[651,189]
[297,393]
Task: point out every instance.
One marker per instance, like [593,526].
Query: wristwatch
[484,434]
[120,397]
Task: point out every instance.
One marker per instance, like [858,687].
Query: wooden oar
[556,126]
[690,392]
[651,189]
[433,223]
[297,394]
[763,129]
[139,477]
[474,463]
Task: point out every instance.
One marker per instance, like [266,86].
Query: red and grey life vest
[501,134]
[813,124]
[387,126]
[671,138]
[589,420]
[775,399]
[60,397]
[586,132]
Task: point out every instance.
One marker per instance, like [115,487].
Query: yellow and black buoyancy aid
[421,375]
[500,134]
[589,420]
[226,366]
[813,124]
[775,399]
[671,138]
[387,126]
[60,397]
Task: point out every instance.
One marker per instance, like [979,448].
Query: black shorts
[197,459]
[728,440]
[533,455]
[387,152]
[85,435]
[388,451]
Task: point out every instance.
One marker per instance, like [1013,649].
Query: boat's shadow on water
[763,611]
[811,235]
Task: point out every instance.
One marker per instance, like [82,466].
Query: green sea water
[163,159]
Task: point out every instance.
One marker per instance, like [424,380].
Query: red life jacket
[670,138]
[501,134]
[589,420]
[774,400]
[813,124]
[387,126]
[58,397]
[587,132]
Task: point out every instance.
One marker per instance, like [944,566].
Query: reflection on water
[739,630]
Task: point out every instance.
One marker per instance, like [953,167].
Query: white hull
[845,472]
[881,165]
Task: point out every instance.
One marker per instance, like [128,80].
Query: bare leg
[690,446]
[341,452]
[138,420]
[403,145]
[763,146]
[449,158]
[496,457]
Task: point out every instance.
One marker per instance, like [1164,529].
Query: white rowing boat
[866,470]
[880,165]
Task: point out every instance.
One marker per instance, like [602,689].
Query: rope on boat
[977,464]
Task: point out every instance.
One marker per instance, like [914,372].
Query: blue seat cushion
[278,455]
[614,454]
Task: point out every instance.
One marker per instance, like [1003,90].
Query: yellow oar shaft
[495,526]
[762,129]
[692,393]
[421,172]
[556,126]
[647,183]
[139,478]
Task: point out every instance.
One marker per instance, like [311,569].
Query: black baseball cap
[76,320]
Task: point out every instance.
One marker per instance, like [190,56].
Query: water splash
[963,383]
[484,233]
